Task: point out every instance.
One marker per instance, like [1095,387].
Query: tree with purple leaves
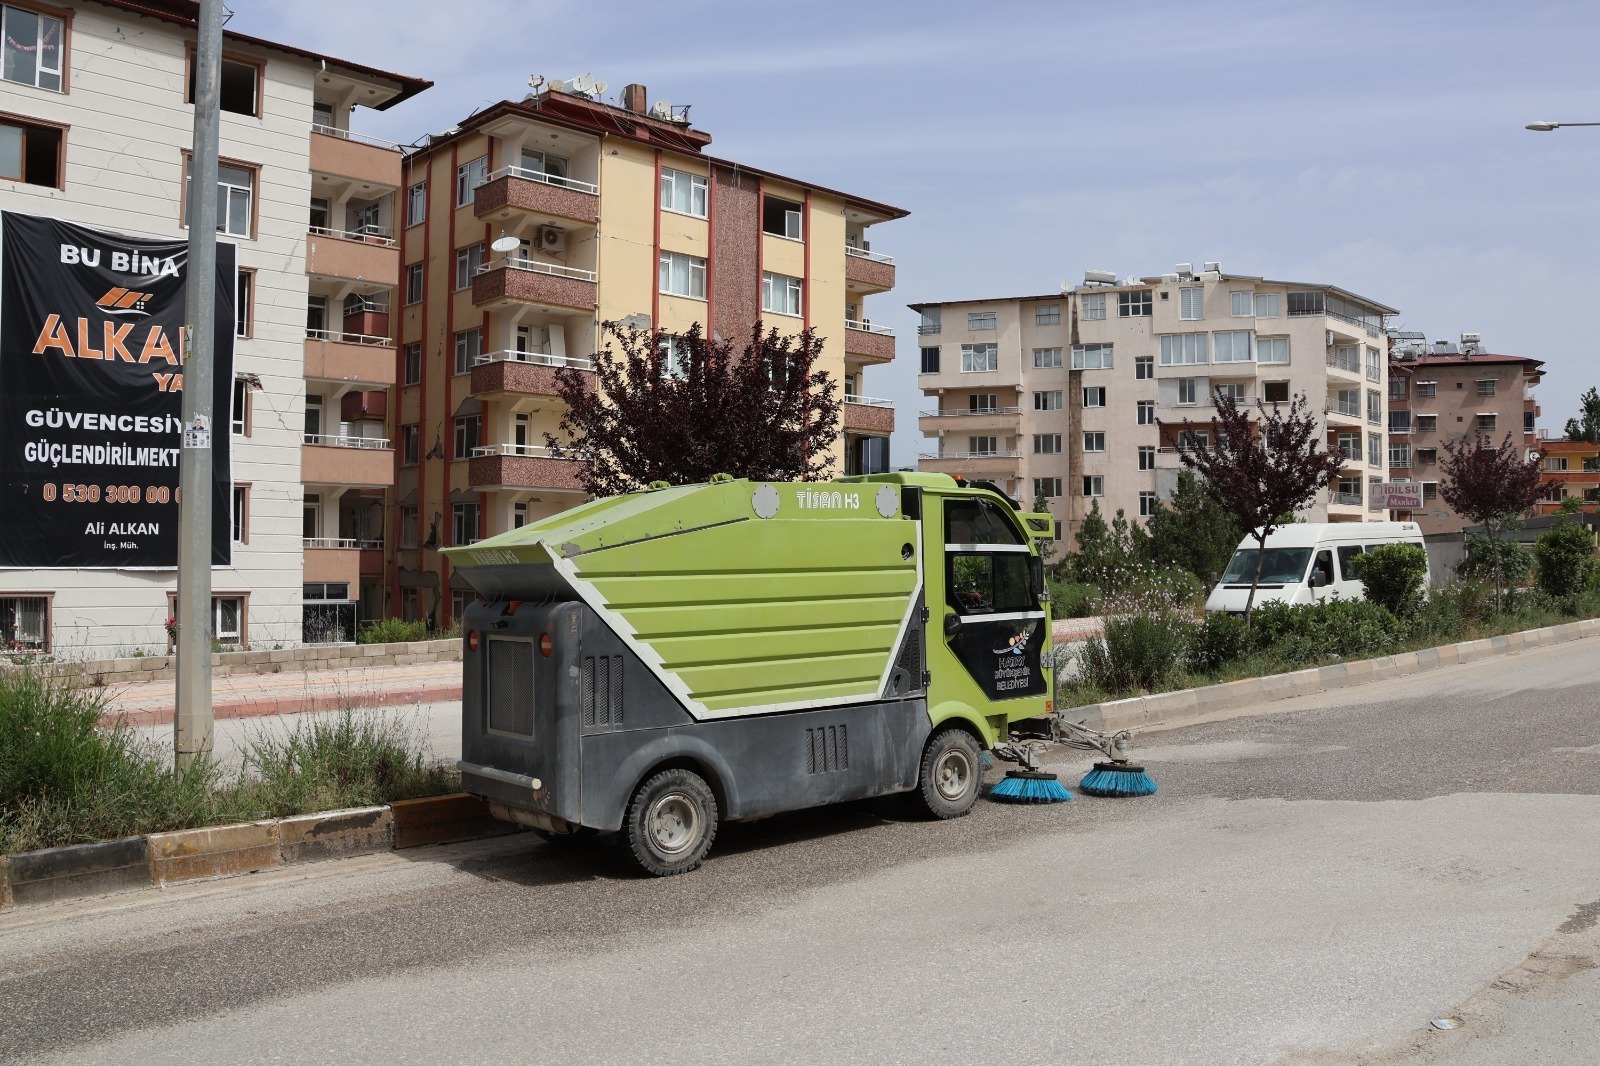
[1490,486]
[682,409]
[1261,470]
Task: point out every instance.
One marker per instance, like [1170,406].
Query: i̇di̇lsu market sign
[91,397]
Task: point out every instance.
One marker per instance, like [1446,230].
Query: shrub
[1565,555]
[1219,640]
[1393,576]
[392,631]
[1070,599]
[1312,632]
[1142,651]
[1484,556]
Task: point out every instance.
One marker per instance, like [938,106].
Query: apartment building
[538,220]
[1571,469]
[1081,395]
[96,118]
[1444,392]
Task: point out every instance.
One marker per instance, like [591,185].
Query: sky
[1378,147]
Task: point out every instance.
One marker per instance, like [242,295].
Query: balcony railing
[863,253]
[1340,362]
[537,267]
[577,362]
[527,451]
[1349,410]
[962,412]
[341,337]
[333,440]
[869,401]
[1002,454]
[381,236]
[1374,373]
[868,327]
[1348,499]
[547,179]
[926,330]
[358,138]
[331,542]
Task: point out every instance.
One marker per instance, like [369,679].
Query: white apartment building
[95,128]
[1080,396]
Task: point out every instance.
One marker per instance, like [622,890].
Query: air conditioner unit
[551,239]
[1330,338]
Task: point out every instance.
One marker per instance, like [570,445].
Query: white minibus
[1306,563]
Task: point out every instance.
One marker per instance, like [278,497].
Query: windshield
[1282,566]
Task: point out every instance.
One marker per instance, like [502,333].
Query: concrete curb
[283,660]
[329,701]
[80,871]
[1172,708]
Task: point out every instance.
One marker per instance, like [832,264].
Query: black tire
[671,822]
[952,774]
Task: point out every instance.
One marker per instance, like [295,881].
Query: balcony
[929,329]
[981,466]
[333,355]
[332,559]
[867,271]
[513,466]
[523,373]
[1344,412]
[360,462]
[371,256]
[1400,425]
[1345,364]
[963,420]
[1347,499]
[516,193]
[868,414]
[863,340]
[512,282]
[353,155]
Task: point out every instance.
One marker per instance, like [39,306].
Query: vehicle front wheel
[952,773]
[671,822]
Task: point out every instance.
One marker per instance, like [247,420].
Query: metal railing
[546,179]
[577,362]
[331,542]
[377,235]
[1400,427]
[863,253]
[340,337]
[869,401]
[334,440]
[1374,373]
[867,327]
[928,331]
[514,262]
[1001,454]
[358,138]
[1340,362]
[963,412]
[527,451]
[1348,499]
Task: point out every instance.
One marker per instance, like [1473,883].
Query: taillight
[472,640]
[545,644]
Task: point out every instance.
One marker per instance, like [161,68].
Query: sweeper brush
[1029,786]
[1117,779]
[1116,776]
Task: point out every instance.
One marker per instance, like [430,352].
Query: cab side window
[1347,559]
[985,583]
[978,521]
[1324,565]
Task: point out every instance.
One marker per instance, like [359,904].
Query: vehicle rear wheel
[671,822]
[952,774]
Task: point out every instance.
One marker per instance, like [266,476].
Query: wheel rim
[673,823]
[952,774]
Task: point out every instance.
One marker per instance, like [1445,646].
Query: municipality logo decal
[1018,642]
[121,301]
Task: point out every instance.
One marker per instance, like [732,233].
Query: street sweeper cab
[654,663]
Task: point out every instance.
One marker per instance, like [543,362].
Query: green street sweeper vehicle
[652,663]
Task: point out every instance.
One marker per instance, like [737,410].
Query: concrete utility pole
[192,722]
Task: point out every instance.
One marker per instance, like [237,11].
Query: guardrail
[1349,499]
[530,451]
[868,327]
[553,269]
[358,138]
[928,331]
[331,542]
[547,179]
[577,362]
[1008,454]
[962,412]
[863,253]
[377,235]
[1339,362]
[333,440]
[1348,410]
[341,337]
[869,401]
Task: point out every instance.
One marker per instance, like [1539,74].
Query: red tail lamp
[472,640]
[545,644]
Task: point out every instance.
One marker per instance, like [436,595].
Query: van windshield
[1282,566]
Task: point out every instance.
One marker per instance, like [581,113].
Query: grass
[65,779]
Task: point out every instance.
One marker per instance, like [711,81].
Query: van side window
[1347,557]
[978,521]
[1324,566]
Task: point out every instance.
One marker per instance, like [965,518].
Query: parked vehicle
[1306,563]
[654,663]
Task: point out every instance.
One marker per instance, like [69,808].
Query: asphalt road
[1310,886]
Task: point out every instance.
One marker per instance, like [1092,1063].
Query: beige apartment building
[1441,393]
[1081,396]
[536,221]
[95,126]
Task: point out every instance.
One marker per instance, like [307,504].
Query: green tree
[1587,426]
[1491,486]
[1393,576]
[1566,555]
[1191,531]
[1094,555]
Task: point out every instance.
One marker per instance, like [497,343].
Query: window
[984,583]
[1427,423]
[780,293]
[1399,421]
[1349,446]
[240,515]
[244,291]
[1267,305]
[1529,421]
[1190,439]
[241,407]
[313,418]
[1094,485]
[1180,349]
[684,193]
[982,446]
[1047,315]
[35,45]
[1144,367]
[930,360]
[1147,457]
[781,218]
[930,324]
[1051,401]
[469,345]
[1349,491]
[1374,406]
[414,281]
[413,363]
[1095,397]
[468,435]
[1487,420]
[1092,306]
[519,515]
[1427,390]
[1192,303]
[1374,365]
[238,88]
[463,523]
[1305,303]
[1430,490]
[410,527]
[1275,391]
[1134,304]
[1147,504]
[236,188]
[1186,390]
[1091,356]
[1047,444]
[1048,487]
[553,168]
[1094,442]
[1272,350]
[1397,388]
[1231,347]
[982,402]
[1147,412]
[411,444]
[1486,386]
[1233,390]
[1400,456]
[1241,305]
[978,321]
[30,154]
[417,204]
[469,176]
[685,275]
[1427,455]
[227,617]
[1375,450]
[468,262]
[24,622]
[1046,358]
[979,358]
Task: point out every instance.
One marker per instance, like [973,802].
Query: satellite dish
[582,83]
[600,87]
[557,85]
[505,244]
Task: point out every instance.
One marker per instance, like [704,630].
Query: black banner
[1002,655]
[91,397]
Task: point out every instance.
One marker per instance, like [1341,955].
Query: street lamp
[1546,127]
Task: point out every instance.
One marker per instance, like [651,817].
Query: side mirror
[952,625]
[1215,577]
[1317,580]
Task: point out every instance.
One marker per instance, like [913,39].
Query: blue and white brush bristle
[1019,786]
[1117,779]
